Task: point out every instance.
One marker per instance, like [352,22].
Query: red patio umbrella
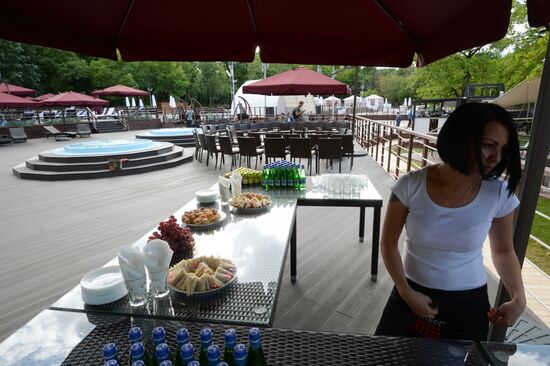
[382,32]
[13,101]
[300,81]
[71,98]
[42,97]
[16,90]
[121,90]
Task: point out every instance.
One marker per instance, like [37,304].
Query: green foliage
[541,229]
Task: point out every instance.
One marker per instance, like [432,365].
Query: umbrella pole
[355,89]
[530,183]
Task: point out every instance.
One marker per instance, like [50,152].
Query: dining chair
[275,147]
[300,148]
[330,149]
[213,150]
[227,148]
[248,149]
[202,141]
[347,147]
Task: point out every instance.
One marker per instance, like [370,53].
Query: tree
[17,65]
[214,83]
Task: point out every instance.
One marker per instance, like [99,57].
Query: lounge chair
[52,131]
[6,140]
[18,134]
[83,129]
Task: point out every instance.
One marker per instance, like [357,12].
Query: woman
[448,209]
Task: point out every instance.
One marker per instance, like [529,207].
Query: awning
[16,90]
[73,99]
[525,92]
[13,101]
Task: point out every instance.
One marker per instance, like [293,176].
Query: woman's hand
[420,304]
[507,314]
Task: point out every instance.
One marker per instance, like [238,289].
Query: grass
[536,253]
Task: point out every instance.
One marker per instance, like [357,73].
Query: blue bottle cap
[214,353]
[182,336]
[138,363]
[134,334]
[206,335]
[239,352]
[137,349]
[109,351]
[254,335]
[111,363]
[187,351]
[194,363]
[162,351]
[222,364]
[166,363]
[230,336]
[158,334]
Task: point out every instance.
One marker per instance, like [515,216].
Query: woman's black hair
[464,129]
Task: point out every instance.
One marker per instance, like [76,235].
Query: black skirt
[461,315]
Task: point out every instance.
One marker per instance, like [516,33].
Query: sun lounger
[52,131]
[18,134]
[5,140]
[83,129]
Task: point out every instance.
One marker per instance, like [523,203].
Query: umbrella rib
[397,23]
[252,18]
[123,23]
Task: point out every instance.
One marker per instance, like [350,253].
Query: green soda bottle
[206,341]
[110,352]
[302,177]
[187,354]
[255,354]
[182,337]
[230,342]
[159,337]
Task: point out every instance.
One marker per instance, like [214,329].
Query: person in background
[410,117]
[398,119]
[297,113]
[189,116]
[448,209]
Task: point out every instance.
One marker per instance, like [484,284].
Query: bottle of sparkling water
[162,353]
[135,335]
[290,176]
[187,354]
[166,363]
[277,176]
[214,355]
[159,337]
[255,354]
[111,363]
[194,363]
[138,363]
[230,342]
[137,353]
[302,175]
[182,337]
[265,177]
[206,341]
[239,355]
[110,352]
[222,364]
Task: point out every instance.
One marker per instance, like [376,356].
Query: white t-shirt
[444,245]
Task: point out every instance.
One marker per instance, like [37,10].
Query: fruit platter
[250,202]
[203,217]
[202,275]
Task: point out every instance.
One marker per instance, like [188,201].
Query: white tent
[374,102]
[332,101]
[349,100]
[525,92]
[280,104]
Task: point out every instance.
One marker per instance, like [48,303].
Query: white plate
[251,210]
[206,195]
[204,293]
[222,214]
[103,285]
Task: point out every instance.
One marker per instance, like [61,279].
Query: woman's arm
[396,214]
[507,266]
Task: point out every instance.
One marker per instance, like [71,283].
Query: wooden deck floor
[55,232]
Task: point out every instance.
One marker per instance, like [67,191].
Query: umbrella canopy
[13,101]
[71,98]
[525,92]
[16,90]
[42,97]
[301,81]
[121,90]
[383,32]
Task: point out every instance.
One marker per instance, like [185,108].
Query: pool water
[106,147]
[172,132]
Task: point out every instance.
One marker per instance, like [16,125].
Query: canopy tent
[432,29]
[16,90]
[120,90]
[525,92]
[374,102]
[300,81]
[333,101]
[71,98]
[13,101]
[350,100]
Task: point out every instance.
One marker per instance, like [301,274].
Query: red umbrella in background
[71,98]
[13,101]
[300,81]
[16,90]
[42,97]
[121,90]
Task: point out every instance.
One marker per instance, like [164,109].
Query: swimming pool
[107,146]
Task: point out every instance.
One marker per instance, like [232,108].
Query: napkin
[223,185]
[236,180]
[130,261]
[157,255]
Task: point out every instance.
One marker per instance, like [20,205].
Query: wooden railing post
[389,149]
[410,153]
[425,153]
[398,155]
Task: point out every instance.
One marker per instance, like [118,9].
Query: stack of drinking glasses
[339,185]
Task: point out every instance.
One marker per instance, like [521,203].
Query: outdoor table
[367,197]
[69,338]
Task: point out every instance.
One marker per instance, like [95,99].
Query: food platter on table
[250,203]
[201,276]
[203,218]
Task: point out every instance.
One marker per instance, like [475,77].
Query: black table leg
[293,250]
[375,243]
[362,224]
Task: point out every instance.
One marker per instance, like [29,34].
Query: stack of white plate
[206,195]
[103,285]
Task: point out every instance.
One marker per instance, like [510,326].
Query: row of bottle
[210,354]
[284,174]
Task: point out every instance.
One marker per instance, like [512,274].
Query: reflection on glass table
[505,354]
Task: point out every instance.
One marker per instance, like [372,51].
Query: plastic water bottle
[110,352]
[135,335]
[302,177]
[187,354]
[138,363]
[239,355]
[166,363]
[111,363]
[206,341]
[162,353]
[265,175]
[194,363]
[159,337]
[137,353]
[255,354]
[222,364]
[182,337]
[230,342]
[214,355]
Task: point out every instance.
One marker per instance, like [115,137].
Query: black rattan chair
[330,149]
[227,148]
[347,148]
[248,149]
[300,148]
[275,147]
[202,142]
[213,150]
